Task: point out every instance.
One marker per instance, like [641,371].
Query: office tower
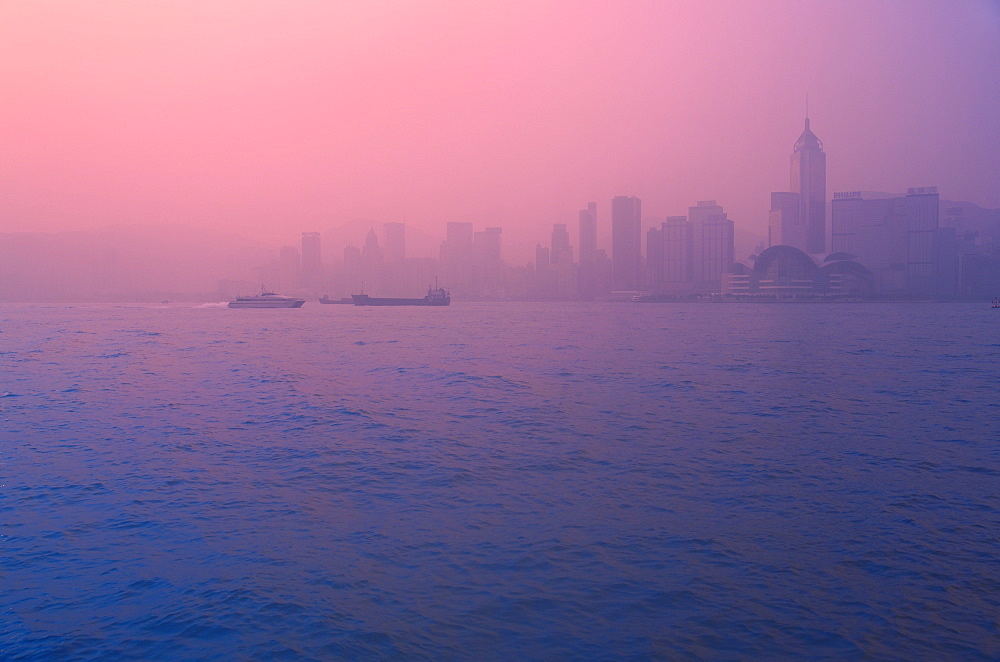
[312,266]
[785,226]
[713,245]
[543,286]
[678,252]
[808,179]
[704,211]
[654,259]
[395,242]
[562,252]
[487,248]
[626,243]
[562,267]
[587,284]
[717,251]
[922,209]
[457,259]
[897,238]
[602,272]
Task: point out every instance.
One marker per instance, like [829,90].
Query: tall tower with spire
[809,181]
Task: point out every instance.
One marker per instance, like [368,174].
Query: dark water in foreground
[500,482]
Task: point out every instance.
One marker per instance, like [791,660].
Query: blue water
[500,481]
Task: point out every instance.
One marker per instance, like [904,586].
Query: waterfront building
[678,254]
[587,277]
[489,272]
[808,180]
[626,243]
[654,259]
[713,245]
[899,239]
[785,225]
[457,259]
[312,265]
[787,273]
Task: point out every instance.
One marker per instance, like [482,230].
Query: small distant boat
[435,297]
[326,298]
[266,300]
[996,303]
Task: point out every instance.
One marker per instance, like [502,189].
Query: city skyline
[267,122]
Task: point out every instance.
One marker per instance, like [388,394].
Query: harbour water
[500,481]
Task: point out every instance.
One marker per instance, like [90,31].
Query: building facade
[808,180]
[899,239]
[626,243]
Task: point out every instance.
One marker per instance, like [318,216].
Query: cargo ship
[326,298]
[435,297]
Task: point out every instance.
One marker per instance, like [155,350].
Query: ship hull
[365,300]
[267,304]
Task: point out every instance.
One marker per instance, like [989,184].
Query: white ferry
[266,300]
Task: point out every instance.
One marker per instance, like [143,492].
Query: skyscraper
[895,237]
[808,179]
[312,267]
[678,252]
[457,259]
[713,245]
[784,222]
[489,263]
[588,251]
[626,243]
[562,252]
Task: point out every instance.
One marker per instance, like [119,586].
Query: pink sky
[268,118]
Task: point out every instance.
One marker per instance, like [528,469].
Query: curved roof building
[786,272]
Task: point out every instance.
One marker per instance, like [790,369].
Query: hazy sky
[268,118]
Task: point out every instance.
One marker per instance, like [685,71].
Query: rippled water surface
[500,481]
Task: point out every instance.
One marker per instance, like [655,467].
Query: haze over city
[266,119]
[499,329]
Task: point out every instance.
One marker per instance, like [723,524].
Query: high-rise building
[312,266]
[713,245]
[562,252]
[561,259]
[785,226]
[897,238]
[587,283]
[678,253]
[654,258]
[717,251]
[808,179]
[489,263]
[457,259]
[372,260]
[626,243]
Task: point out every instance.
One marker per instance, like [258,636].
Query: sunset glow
[269,118]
